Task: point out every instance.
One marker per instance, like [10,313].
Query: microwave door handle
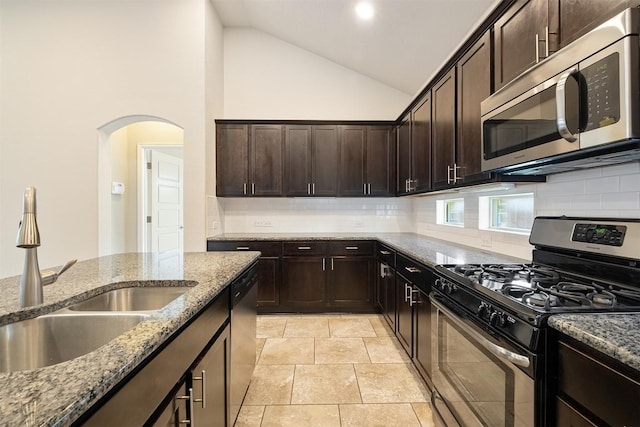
[561,108]
[501,352]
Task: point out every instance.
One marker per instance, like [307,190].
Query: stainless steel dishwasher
[244,293]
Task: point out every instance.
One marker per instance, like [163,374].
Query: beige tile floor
[332,370]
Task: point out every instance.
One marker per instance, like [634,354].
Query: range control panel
[611,235]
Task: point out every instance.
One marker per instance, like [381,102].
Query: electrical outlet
[358,224]
[485,241]
[215,225]
[262,223]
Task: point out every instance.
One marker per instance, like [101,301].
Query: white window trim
[484,215]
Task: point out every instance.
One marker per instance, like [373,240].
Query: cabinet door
[350,284]
[210,383]
[444,129]
[404,154]
[421,145]
[266,156]
[324,160]
[577,17]
[232,160]
[390,299]
[297,163]
[380,161]
[304,283]
[422,350]
[351,180]
[404,319]
[268,284]
[474,85]
[515,39]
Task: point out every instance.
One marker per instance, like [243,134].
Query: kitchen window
[511,213]
[450,212]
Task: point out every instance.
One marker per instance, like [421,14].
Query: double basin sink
[80,328]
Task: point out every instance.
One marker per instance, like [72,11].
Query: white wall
[66,69]
[612,191]
[267,78]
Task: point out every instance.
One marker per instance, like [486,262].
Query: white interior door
[166,202]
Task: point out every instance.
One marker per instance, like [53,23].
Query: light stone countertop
[617,335]
[428,250]
[59,394]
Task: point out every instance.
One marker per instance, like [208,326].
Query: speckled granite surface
[427,250]
[616,335]
[58,394]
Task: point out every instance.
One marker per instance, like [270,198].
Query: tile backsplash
[290,215]
[611,191]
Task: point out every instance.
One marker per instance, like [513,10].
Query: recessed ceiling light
[364,10]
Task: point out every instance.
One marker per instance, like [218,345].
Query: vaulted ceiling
[402,46]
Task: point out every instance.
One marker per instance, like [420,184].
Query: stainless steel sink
[131,299]
[55,338]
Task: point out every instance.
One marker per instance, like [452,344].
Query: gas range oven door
[479,379]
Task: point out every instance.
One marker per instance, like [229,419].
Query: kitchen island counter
[427,250]
[617,335]
[59,394]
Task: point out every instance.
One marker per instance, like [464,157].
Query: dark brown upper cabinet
[421,146]
[444,130]
[474,85]
[414,149]
[570,19]
[249,160]
[311,160]
[520,39]
[298,162]
[403,136]
[266,160]
[365,161]
[380,161]
[232,154]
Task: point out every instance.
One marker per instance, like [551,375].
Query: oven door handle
[515,358]
[561,108]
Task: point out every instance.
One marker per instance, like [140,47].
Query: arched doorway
[140,190]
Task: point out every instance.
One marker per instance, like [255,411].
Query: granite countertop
[59,394]
[616,334]
[427,250]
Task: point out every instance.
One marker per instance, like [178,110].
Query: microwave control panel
[610,235]
[602,80]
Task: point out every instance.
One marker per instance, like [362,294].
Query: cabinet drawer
[387,255]
[304,248]
[606,392]
[417,273]
[268,249]
[350,247]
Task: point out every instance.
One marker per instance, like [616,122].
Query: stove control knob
[498,318]
[483,309]
[450,288]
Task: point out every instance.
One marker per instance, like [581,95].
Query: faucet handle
[49,276]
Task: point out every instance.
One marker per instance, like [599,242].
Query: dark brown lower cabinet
[593,388]
[404,314]
[350,283]
[386,293]
[209,382]
[175,412]
[269,269]
[303,283]
[422,333]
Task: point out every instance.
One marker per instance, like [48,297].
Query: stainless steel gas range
[489,321]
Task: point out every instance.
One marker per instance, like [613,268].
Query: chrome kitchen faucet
[32,279]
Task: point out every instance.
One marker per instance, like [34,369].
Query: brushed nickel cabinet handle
[412,270]
[304,248]
[351,248]
[385,252]
[203,387]
[242,248]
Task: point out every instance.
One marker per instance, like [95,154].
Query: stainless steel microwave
[578,108]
